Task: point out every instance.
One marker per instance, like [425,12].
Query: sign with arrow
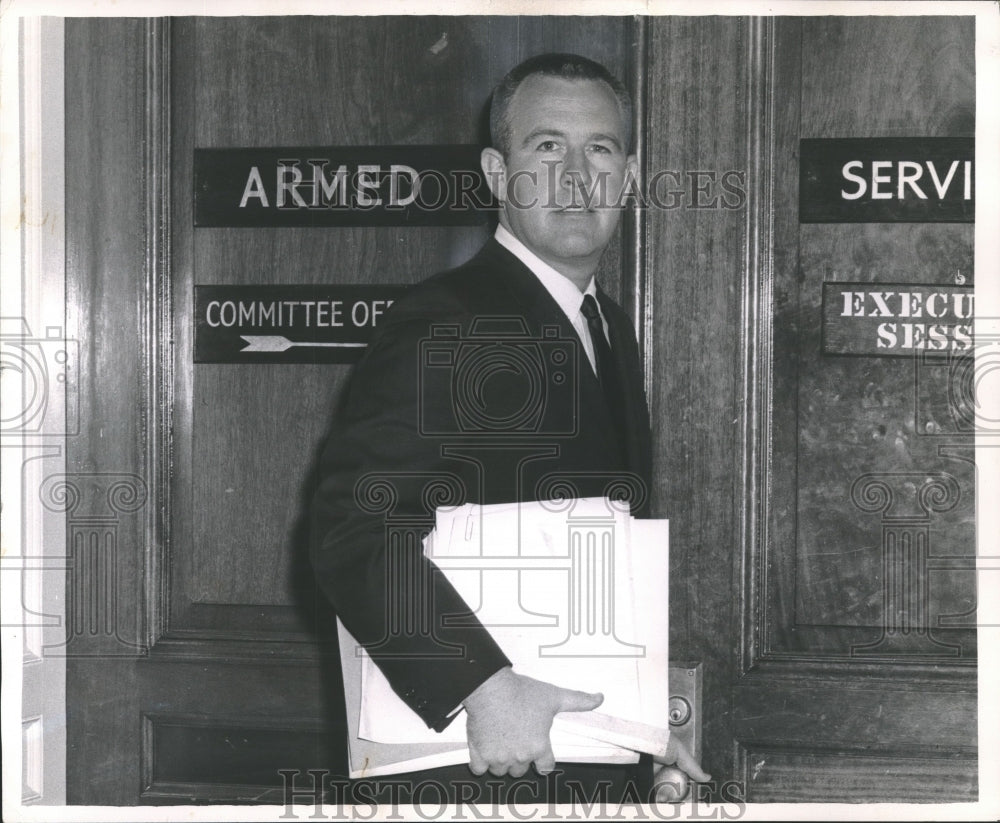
[287,324]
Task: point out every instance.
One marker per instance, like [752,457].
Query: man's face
[564,171]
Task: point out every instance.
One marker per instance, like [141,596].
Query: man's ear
[495,170]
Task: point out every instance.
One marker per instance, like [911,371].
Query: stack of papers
[575,593]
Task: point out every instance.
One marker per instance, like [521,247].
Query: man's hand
[509,721]
[677,766]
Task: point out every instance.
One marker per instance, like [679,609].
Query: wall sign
[887,180]
[896,319]
[287,324]
[340,186]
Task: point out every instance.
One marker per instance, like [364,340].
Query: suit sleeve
[380,478]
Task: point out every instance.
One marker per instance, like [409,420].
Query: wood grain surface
[829,704]
[224,590]
[326,81]
[695,264]
[860,415]
[105,249]
[758,438]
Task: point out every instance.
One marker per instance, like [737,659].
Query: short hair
[566,66]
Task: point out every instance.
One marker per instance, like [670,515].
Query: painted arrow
[277,343]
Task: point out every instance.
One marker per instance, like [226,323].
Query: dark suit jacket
[439,412]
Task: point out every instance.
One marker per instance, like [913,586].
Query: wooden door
[209,667]
[836,669]
[198,664]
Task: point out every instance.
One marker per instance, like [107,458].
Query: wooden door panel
[849,430]
[859,417]
[760,439]
[255,430]
[786,774]
[843,738]
[240,565]
[229,676]
[855,658]
[851,87]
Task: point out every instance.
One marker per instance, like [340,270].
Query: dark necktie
[607,370]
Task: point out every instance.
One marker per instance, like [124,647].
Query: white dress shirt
[563,290]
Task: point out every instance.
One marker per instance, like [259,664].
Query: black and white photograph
[500,410]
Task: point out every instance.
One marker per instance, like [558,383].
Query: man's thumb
[573,701]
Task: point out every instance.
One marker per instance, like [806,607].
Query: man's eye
[597,148]
[548,145]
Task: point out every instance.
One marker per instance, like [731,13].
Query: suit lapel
[625,351]
[525,288]
[539,308]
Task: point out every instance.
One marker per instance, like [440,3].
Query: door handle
[672,784]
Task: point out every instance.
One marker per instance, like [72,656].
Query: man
[560,128]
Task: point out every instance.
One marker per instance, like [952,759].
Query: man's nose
[576,169]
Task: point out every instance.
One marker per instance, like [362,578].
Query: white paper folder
[575,593]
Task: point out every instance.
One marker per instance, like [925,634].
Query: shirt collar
[562,289]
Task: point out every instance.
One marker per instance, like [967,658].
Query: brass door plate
[685,704]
